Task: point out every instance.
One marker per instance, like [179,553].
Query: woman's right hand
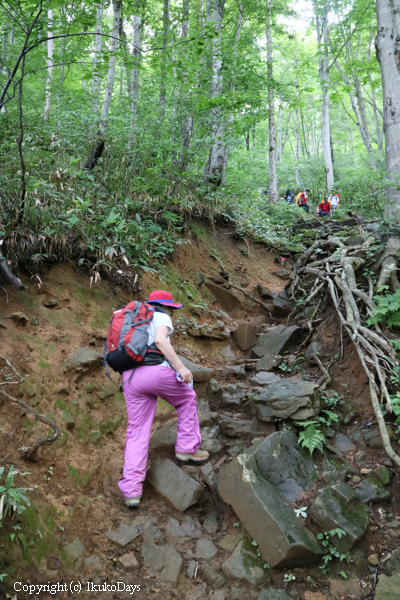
[185,374]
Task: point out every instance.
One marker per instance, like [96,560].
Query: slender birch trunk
[232,87]
[297,157]
[134,80]
[166,27]
[286,132]
[186,119]
[378,120]
[216,160]
[387,50]
[4,49]
[273,179]
[97,57]
[322,34]
[279,141]
[50,52]
[117,7]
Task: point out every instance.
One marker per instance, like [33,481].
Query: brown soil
[73,484]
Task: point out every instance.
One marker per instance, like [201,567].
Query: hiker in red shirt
[324,208]
[302,200]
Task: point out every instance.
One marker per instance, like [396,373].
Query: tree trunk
[4,49]
[216,160]
[186,119]
[363,114]
[273,180]
[378,120]
[297,150]
[97,57]
[163,84]
[134,79]
[279,141]
[117,6]
[388,53]
[322,35]
[50,51]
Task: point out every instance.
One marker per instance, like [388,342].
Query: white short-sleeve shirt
[159,320]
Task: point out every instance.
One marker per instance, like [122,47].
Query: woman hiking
[142,385]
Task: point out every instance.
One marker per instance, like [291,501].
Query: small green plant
[12,499]
[331,550]
[288,577]
[47,476]
[343,574]
[236,524]
[311,438]
[387,309]
[301,512]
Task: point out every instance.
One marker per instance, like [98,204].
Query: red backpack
[127,339]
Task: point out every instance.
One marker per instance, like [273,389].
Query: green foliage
[331,550]
[311,437]
[387,310]
[12,499]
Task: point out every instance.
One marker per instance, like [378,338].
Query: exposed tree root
[336,277]
[7,273]
[31,451]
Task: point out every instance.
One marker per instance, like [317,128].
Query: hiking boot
[195,457]
[133,502]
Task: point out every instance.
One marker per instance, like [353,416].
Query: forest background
[119,119]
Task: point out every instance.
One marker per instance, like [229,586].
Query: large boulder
[83,361]
[388,588]
[274,342]
[332,510]
[246,335]
[281,461]
[225,298]
[200,374]
[175,485]
[265,378]
[245,564]
[216,331]
[392,566]
[165,437]
[287,399]
[233,394]
[266,514]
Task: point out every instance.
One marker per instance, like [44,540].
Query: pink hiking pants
[141,391]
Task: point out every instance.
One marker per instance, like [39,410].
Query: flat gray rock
[265,378]
[266,514]
[283,305]
[210,523]
[84,361]
[215,579]
[392,566]
[172,483]
[329,513]
[342,443]
[246,335]
[234,427]
[388,588]
[205,549]
[165,437]
[276,340]
[238,371]
[288,398]
[209,439]
[188,528]
[227,353]
[75,549]
[125,533]
[209,475]
[162,562]
[200,374]
[372,490]
[274,594]
[313,348]
[245,564]
[233,394]
[281,460]
[225,298]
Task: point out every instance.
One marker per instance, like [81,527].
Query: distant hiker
[334,199]
[324,208]
[162,374]
[302,200]
[289,197]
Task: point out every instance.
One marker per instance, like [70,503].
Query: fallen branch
[49,440]
[9,364]
[326,378]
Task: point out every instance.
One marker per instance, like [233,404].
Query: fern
[311,437]
[387,310]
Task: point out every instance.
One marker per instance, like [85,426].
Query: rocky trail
[262,519]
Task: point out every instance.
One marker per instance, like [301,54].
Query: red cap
[162,297]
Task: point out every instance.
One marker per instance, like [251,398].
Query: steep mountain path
[78,529]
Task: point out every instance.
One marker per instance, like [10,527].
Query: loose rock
[199,373]
[274,594]
[84,361]
[238,371]
[283,305]
[246,335]
[289,398]
[388,588]
[227,353]
[205,549]
[162,562]
[188,528]
[372,490]
[226,299]
[129,561]
[215,579]
[172,483]
[245,564]
[21,318]
[274,342]
[233,426]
